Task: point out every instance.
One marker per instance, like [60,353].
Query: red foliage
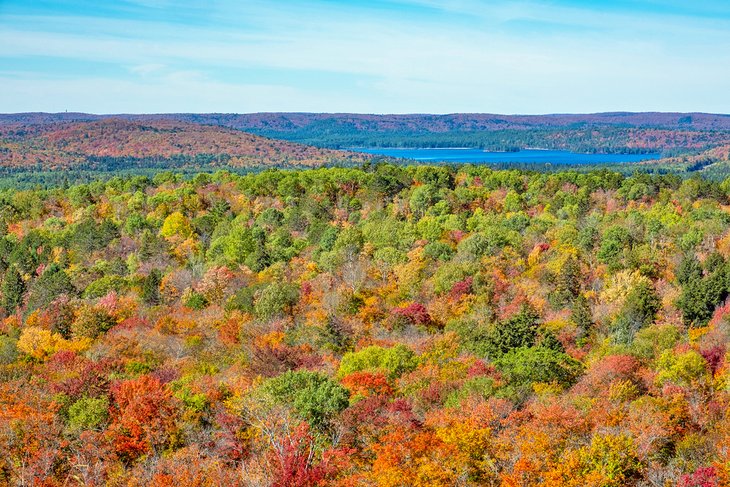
[227,438]
[366,384]
[612,368]
[702,477]
[714,357]
[91,380]
[142,416]
[295,464]
[415,313]
[461,288]
[480,368]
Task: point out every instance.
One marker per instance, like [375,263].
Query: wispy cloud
[385,56]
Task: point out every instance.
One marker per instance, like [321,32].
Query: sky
[365,56]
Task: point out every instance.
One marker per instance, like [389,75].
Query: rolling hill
[114,142]
[602,132]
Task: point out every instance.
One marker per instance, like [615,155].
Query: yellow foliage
[697,333]
[546,390]
[104,209]
[534,257]
[620,285]
[371,310]
[723,245]
[409,275]
[186,249]
[39,343]
[441,349]
[270,340]
[176,225]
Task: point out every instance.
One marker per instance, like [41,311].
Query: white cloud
[403,65]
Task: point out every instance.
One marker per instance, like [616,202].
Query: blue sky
[376,56]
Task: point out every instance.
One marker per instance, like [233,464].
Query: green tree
[312,396]
[581,315]
[276,299]
[516,332]
[13,290]
[525,366]
[54,282]
[88,413]
[568,282]
[393,361]
[151,288]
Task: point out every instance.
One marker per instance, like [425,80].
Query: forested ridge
[602,132]
[386,326]
[115,144]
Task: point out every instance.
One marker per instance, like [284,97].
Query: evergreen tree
[151,288]
[568,282]
[54,282]
[581,315]
[13,290]
[688,270]
[518,331]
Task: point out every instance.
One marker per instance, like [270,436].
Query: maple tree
[343,327]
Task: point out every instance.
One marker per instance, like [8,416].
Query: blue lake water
[523,156]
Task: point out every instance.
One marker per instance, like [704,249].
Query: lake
[521,157]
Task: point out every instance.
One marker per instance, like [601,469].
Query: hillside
[122,142]
[602,132]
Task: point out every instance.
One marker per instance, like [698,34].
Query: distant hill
[601,132]
[53,142]
[409,122]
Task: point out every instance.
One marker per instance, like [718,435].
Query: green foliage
[275,299]
[640,308]
[481,387]
[651,341]
[312,396]
[568,283]
[581,315]
[88,413]
[615,241]
[150,292]
[680,369]
[394,361]
[528,365]
[92,322]
[13,289]
[700,295]
[102,286]
[8,350]
[517,332]
[54,282]
[195,300]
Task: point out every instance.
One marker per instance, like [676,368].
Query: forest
[377,326]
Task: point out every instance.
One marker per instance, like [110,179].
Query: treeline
[583,139]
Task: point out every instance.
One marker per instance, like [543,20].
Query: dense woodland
[118,144]
[385,326]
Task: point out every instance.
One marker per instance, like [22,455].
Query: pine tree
[581,315]
[13,290]
[151,287]
[568,282]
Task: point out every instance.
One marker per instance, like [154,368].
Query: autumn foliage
[383,326]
